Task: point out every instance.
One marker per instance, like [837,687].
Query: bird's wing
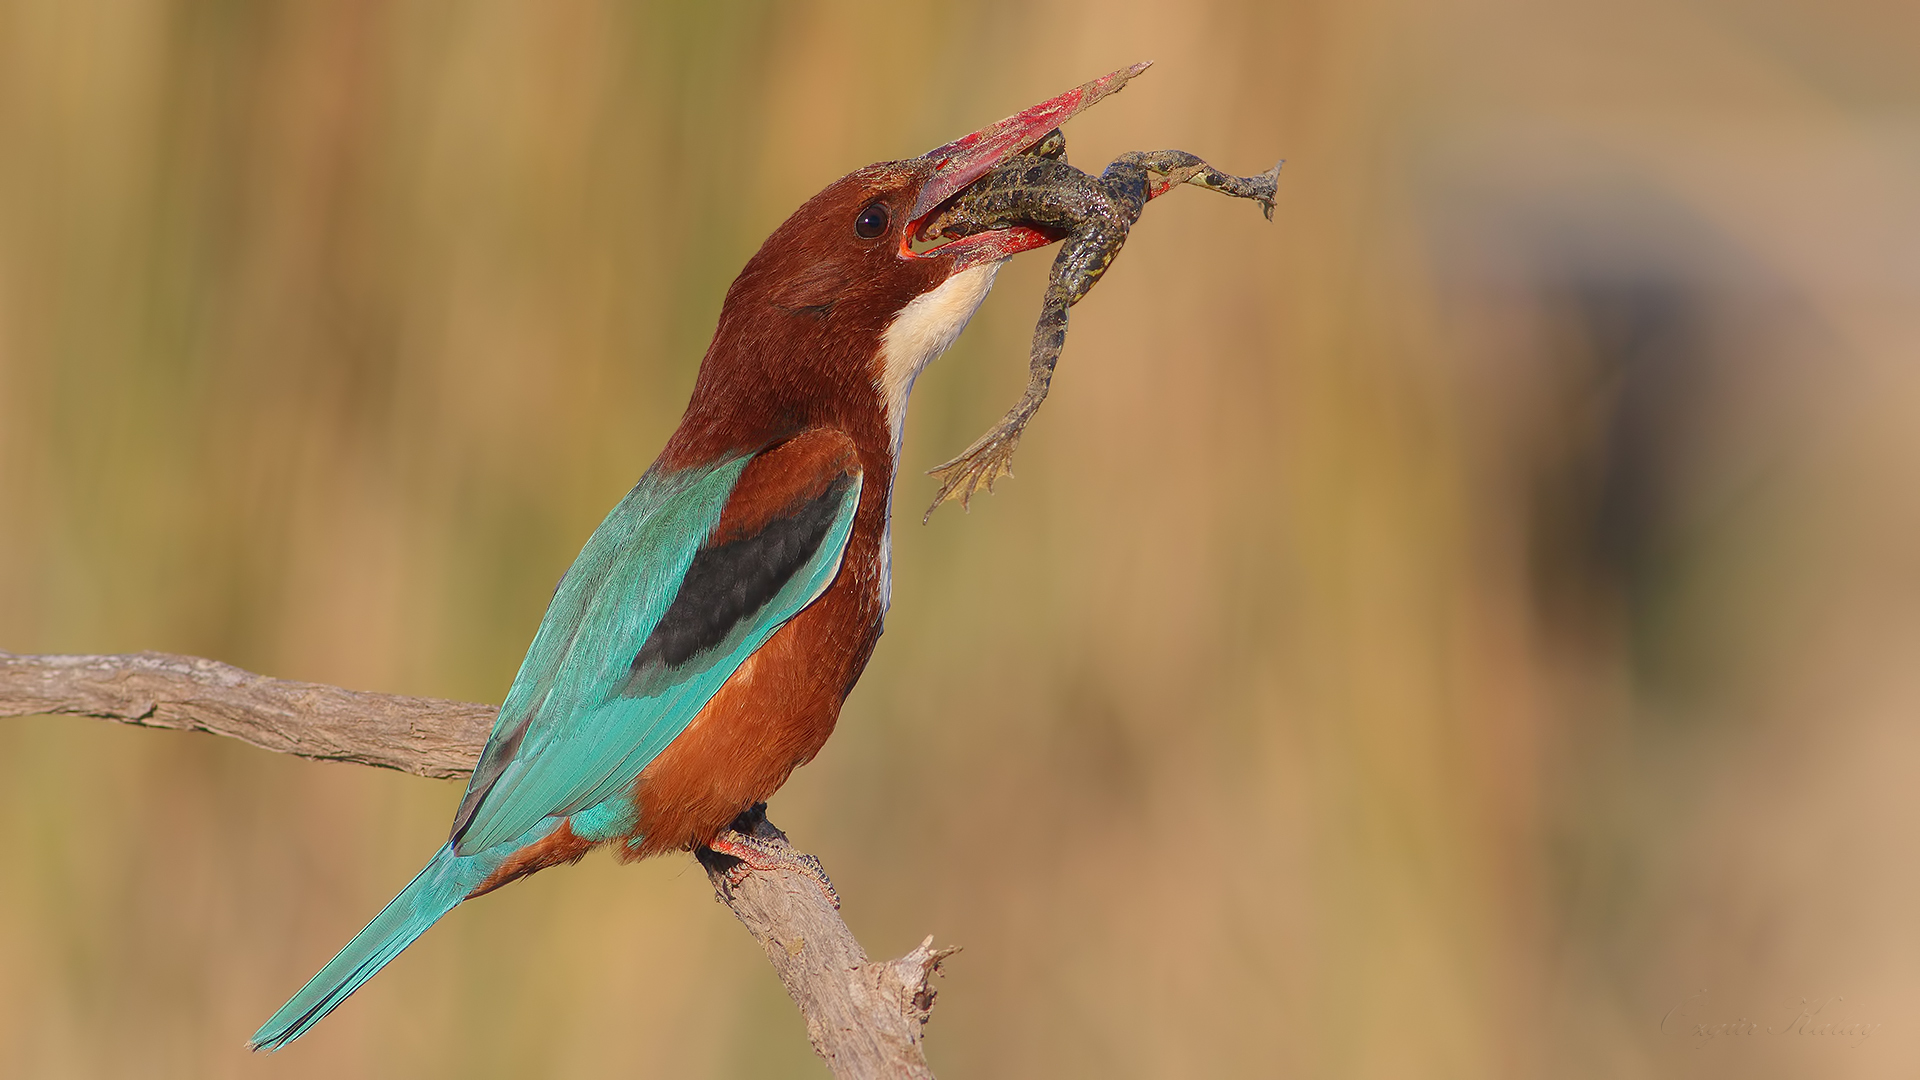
[691,573]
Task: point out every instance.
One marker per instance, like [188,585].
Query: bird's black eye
[871,222]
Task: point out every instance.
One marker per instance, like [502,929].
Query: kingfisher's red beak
[970,157]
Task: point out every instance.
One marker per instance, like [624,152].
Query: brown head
[836,314]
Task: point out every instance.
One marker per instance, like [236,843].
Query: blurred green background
[1435,635]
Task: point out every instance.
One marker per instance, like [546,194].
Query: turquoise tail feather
[446,881]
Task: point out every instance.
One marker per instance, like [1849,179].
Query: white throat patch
[924,328]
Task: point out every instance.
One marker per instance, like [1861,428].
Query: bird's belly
[770,717]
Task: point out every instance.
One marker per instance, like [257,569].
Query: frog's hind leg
[1176,167]
[991,455]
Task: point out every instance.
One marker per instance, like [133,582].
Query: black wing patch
[727,583]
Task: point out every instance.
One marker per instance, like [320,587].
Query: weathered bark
[424,736]
[864,1017]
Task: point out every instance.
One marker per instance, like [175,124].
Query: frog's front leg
[1177,167]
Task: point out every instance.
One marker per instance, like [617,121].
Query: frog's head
[945,172]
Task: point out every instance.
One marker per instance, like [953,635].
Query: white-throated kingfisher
[699,648]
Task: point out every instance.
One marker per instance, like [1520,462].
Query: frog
[1092,215]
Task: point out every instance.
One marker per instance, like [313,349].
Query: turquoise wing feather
[584,715]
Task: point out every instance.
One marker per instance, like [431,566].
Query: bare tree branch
[424,736]
[864,1017]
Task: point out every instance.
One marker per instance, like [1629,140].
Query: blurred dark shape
[1633,356]
[1646,338]
[1654,343]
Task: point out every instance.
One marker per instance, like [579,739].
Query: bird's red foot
[760,846]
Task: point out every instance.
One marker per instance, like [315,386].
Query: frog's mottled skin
[1040,190]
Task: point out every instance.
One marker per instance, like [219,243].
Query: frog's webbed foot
[1177,167]
[987,460]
